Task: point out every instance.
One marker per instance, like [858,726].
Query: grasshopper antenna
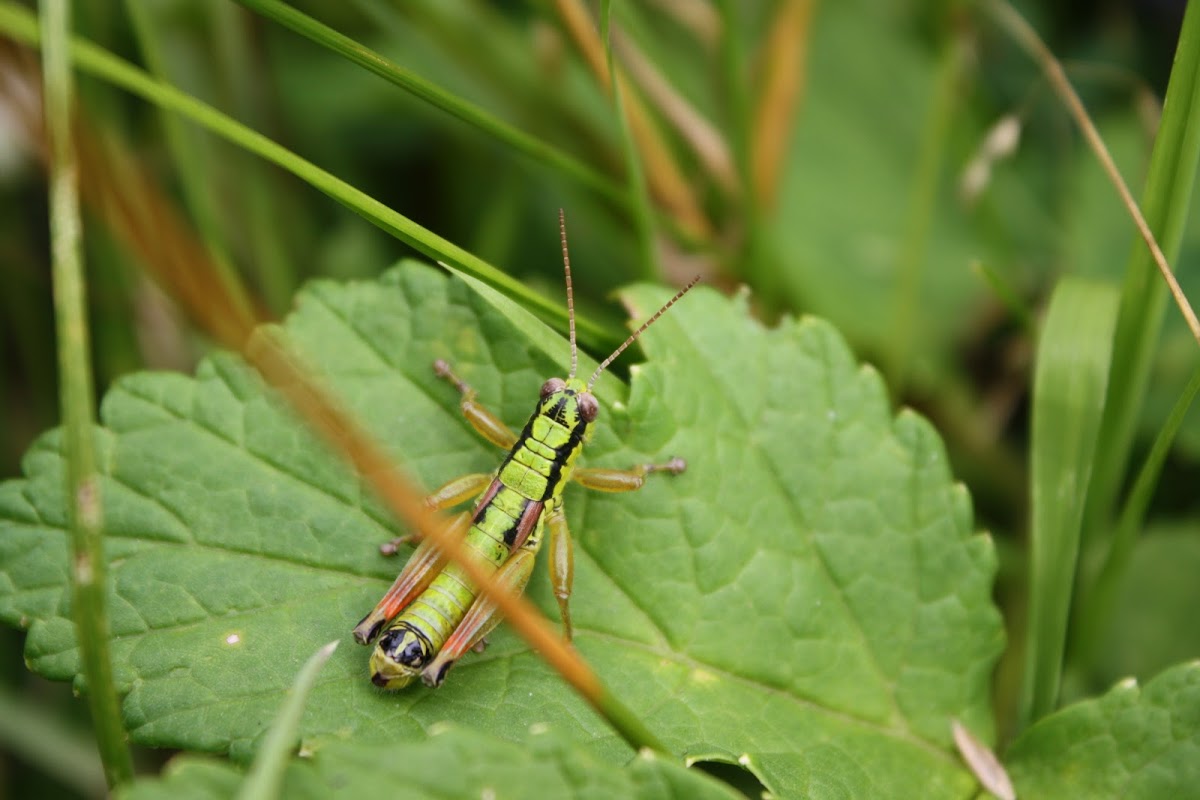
[633,336]
[562,232]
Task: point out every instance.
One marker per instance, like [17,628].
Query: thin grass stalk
[1167,199]
[89,585]
[1027,37]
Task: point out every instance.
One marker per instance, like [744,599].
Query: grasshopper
[437,611]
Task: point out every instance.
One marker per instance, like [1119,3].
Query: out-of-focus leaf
[1134,742]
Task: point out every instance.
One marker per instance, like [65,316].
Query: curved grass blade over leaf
[1068,401]
[266,774]
[809,599]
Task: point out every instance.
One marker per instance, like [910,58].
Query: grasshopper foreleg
[482,420]
[624,480]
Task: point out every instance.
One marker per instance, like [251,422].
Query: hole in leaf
[732,774]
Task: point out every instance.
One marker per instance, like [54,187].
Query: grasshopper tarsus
[676,466]
[392,546]
[443,370]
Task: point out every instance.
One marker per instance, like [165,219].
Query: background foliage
[860,218]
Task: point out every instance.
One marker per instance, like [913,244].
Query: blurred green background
[865,213]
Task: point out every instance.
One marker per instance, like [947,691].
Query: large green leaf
[1131,743]
[809,597]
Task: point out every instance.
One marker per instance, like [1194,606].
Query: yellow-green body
[435,611]
[509,515]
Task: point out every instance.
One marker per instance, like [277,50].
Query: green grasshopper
[438,612]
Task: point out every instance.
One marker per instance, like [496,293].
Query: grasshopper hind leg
[481,618]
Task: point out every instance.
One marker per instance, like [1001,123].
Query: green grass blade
[20,24]
[181,143]
[88,573]
[266,774]
[637,190]
[1165,203]
[944,107]
[1068,400]
[49,744]
[1096,606]
[752,263]
[1008,297]
[523,143]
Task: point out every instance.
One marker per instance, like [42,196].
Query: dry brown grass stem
[782,75]
[667,183]
[1025,35]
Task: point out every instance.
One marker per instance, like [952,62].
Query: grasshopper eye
[553,385]
[588,407]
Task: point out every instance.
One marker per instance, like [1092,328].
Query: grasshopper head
[399,656]
[568,402]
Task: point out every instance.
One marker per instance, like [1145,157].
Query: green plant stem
[20,24]
[637,191]
[1165,203]
[522,142]
[88,573]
